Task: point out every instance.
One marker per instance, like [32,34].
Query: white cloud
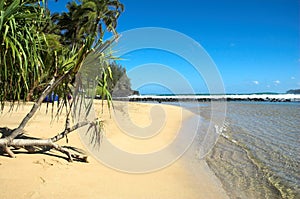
[277,82]
[255,82]
[293,78]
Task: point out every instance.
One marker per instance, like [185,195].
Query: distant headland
[293,91]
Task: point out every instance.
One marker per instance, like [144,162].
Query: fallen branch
[30,143]
[44,143]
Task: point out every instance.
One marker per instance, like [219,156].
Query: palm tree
[101,13]
[40,54]
[89,19]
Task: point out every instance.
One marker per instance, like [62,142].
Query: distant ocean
[257,155]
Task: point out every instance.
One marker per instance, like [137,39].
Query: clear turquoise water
[258,154]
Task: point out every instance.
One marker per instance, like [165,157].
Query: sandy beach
[52,176]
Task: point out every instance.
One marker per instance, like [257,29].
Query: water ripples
[258,155]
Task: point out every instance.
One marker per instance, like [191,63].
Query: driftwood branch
[45,143]
[23,143]
[29,143]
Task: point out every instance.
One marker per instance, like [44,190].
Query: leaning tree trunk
[15,138]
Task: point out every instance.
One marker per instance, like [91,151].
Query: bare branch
[23,143]
[69,130]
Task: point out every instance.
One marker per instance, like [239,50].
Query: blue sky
[254,43]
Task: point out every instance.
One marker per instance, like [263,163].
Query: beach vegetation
[44,53]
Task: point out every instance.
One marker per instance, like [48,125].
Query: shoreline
[254,149]
[49,175]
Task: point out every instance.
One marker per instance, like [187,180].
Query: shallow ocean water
[257,153]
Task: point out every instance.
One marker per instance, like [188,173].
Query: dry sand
[51,176]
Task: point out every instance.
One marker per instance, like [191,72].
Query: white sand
[51,176]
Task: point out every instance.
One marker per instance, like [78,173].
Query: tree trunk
[30,143]
[51,85]
[45,143]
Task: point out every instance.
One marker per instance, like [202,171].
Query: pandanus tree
[42,54]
